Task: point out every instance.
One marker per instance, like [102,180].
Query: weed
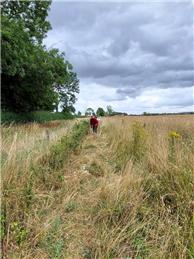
[95,169]
[28,194]
[139,245]
[174,142]
[54,242]
[2,226]
[88,253]
[19,233]
[71,206]
[60,152]
[138,142]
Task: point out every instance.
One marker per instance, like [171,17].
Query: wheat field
[126,192]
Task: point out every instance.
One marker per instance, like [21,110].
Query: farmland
[126,192]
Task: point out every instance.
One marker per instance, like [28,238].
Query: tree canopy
[89,112]
[33,78]
[109,110]
[100,112]
[32,14]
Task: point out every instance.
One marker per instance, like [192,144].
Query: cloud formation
[121,51]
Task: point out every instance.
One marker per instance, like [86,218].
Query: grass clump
[95,169]
[19,233]
[60,152]
[70,206]
[128,142]
[53,242]
[138,143]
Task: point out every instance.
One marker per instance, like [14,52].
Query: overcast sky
[135,56]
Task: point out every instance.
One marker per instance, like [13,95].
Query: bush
[38,116]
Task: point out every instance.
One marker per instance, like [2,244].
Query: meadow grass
[125,193]
[147,209]
[29,153]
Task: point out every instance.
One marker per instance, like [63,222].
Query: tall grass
[146,209]
[27,179]
[126,193]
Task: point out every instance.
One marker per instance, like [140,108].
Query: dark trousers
[94,128]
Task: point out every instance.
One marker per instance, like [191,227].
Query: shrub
[39,116]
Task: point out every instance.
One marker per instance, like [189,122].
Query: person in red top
[94,123]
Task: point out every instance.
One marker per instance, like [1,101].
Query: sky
[135,56]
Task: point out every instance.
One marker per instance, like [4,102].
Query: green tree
[100,112]
[33,78]
[89,112]
[68,90]
[79,114]
[109,110]
[27,72]
[145,113]
[32,14]
[64,81]
[20,59]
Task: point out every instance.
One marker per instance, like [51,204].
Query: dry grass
[155,197]
[21,149]
[126,193]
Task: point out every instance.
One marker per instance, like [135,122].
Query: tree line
[34,78]
[101,112]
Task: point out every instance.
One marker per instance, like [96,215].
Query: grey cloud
[129,47]
[113,98]
[131,91]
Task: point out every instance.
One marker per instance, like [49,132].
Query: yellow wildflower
[174,134]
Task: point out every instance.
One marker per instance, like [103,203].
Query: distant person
[94,123]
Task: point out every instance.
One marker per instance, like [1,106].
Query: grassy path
[86,172]
[68,230]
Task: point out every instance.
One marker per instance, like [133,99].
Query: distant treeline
[110,112]
[166,113]
[149,114]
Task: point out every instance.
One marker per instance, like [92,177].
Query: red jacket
[94,122]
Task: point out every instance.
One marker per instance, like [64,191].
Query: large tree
[33,78]
[109,110]
[100,112]
[32,14]
[89,112]
[27,71]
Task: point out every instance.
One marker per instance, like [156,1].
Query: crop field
[125,193]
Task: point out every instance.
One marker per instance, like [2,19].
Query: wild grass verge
[29,190]
[145,210]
